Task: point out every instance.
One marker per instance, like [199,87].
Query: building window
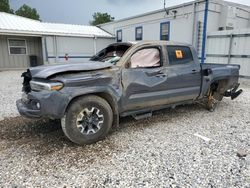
[165,31]
[17,46]
[119,35]
[138,33]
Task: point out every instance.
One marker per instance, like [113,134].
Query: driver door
[144,81]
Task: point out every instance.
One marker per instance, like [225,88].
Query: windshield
[112,54]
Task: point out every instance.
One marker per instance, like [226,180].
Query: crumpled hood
[46,71]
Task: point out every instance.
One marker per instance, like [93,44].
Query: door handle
[161,75]
[156,73]
[194,71]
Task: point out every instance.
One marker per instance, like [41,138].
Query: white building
[25,42]
[230,47]
[182,23]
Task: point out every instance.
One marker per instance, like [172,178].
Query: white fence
[230,47]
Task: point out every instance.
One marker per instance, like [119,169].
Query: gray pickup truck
[124,79]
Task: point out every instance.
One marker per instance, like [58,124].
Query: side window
[17,46]
[119,36]
[165,31]
[146,58]
[138,33]
[178,55]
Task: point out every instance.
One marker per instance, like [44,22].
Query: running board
[142,116]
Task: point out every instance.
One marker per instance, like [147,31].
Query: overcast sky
[80,11]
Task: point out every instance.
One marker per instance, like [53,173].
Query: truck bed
[226,74]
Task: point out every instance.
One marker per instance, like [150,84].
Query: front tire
[87,120]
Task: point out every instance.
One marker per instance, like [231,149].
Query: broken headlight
[50,86]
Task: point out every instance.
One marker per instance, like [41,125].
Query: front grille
[26,81]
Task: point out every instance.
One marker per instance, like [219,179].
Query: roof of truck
[151,42]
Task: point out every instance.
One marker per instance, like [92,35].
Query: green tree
[28,12]
[100,18]
[5,6]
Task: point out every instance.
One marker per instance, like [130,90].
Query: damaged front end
[41,99]
[26,81]
[25,106]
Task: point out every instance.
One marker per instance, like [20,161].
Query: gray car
[124,79]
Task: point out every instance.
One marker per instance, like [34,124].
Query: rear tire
[87,120]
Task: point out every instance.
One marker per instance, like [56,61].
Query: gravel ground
[10,91]
[158,152]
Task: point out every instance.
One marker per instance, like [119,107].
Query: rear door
[183,73]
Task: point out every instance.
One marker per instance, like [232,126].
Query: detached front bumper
[26,111]
[43,104]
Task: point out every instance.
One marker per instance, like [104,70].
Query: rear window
[179,55]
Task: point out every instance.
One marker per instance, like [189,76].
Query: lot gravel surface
[158,152]
[10,90]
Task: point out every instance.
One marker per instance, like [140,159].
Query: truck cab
[160,74]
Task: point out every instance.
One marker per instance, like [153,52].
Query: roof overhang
[40,34]
[16,25]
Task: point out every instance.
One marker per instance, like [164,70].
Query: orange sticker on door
[178,54]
